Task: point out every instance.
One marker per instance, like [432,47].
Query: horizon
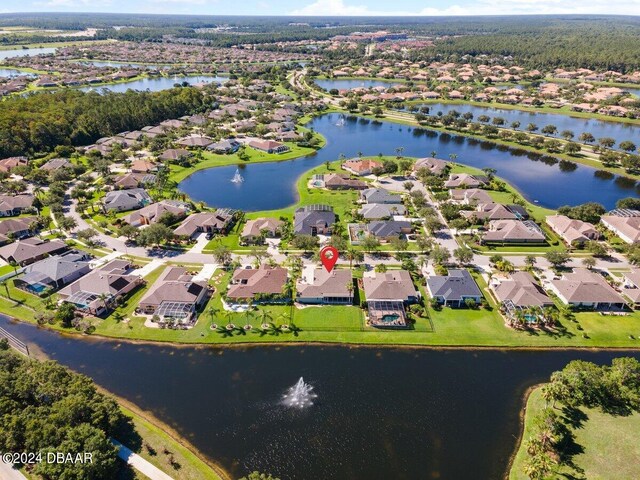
[331,8]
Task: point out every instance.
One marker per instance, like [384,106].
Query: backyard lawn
[609,443]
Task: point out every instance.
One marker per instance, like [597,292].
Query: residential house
[153,212]
[314,220]
[53,272]
[514,231]
[123,200]
[29,250]
[588,289]
[254,229]
[470,196]
[318,286]
[387,230]
[465,180]
[392,285]
[632,286]
[97,291]
[572,231]
[174,154]
[143,166]
[269,146]
[434,166]
[219,221]
[175,296]
[624,223]
[227,146]
[337,181]
[378,211]
[56,164]
[11,205]
[258,284]
[16,228]
[195,141]
[360,166]
[454,289]
[379,195]
[520,291]
[8,164]
[488,211]
[134,180]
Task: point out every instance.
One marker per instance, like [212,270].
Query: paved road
[139,463]
[7,472]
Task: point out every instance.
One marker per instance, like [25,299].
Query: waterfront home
[219,221]
[519,290]
[134,180]
[261,284]
[16,228]
[11,205]
[379,195]
[53,272]
[488,211]
[8,164]
[360,166]
[143,166]
[123,200]
[175,296]
[56,164]
[195,141]
[314,220]
[97,291]
[318,286]
[387,230]
[379,211]
[226,146]
[573,232]
[174,154]
[390,285]
[256,229]
[29,250]
[454,289]
[470,196]
[465,180]
[154,212]
[338,181]
[632,286]
[587,289]
[269,146]
[434,166]
[514,231]
[624,223]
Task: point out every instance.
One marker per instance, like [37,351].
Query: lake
[11,72]
[380,413]
[155,84]
[347,84]
[598,128]
[269,186]
[113,64]
[24,52]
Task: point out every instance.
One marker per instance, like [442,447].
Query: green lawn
[610,444]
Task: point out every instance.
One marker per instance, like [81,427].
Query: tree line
[37,123]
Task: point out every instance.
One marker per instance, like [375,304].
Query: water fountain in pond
[299,396]
[341,122]
[237,178]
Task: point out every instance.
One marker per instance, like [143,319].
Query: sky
[329,7]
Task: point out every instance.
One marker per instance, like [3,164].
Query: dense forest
[39,122]
[45,407]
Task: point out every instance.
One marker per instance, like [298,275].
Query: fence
[14,342]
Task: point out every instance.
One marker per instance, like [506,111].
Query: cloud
[479,7]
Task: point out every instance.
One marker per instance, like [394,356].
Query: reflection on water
[389,414]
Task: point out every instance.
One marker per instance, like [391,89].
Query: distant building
[123,200]
[29,250]
[269,146]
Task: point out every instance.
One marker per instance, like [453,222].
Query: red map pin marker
[329,257]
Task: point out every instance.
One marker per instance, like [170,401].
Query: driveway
[201,243]
[7,472]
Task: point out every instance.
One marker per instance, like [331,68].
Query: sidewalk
[7,472]
[139,463]
[148,268]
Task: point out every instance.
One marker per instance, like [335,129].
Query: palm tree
[453,156]
[5,284]
[265,317]
[212,311]
[103,297]
[15,265]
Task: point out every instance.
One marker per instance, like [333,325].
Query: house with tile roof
[320,287]
[264,284]
[454,289]
[587,289]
